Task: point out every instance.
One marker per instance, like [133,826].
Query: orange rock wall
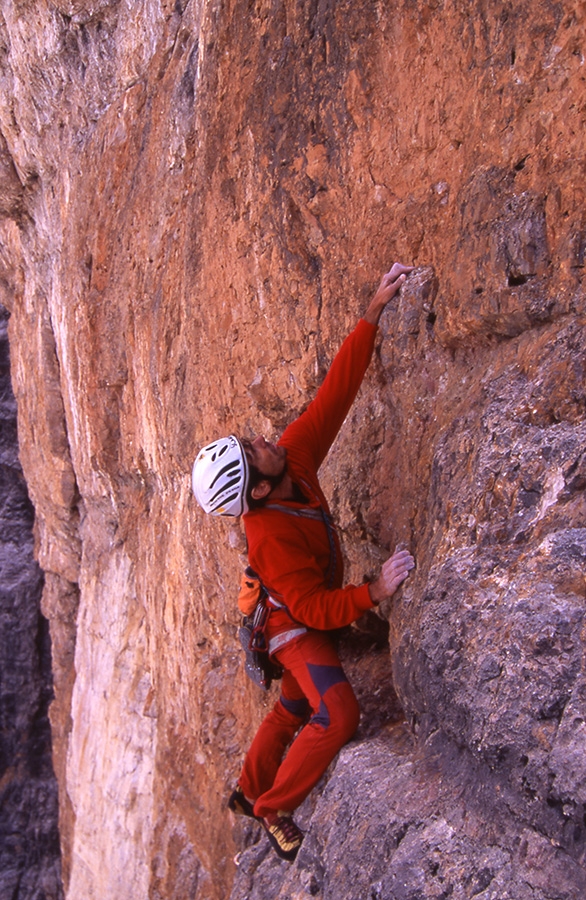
[197,201]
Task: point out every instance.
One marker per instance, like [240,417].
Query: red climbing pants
[314,684]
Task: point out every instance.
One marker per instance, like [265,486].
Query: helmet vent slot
[225,487]
[228,468]
[226,502]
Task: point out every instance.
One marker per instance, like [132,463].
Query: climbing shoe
[239,804]
[283,834]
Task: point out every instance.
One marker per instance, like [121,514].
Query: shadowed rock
[29,837]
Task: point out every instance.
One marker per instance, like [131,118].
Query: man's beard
[275,480]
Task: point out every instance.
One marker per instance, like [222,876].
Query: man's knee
[298,708]
[349,713]
[338,712]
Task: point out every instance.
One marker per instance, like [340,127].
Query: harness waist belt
[281,639]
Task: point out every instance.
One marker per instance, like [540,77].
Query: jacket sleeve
[315,429]
[294,577]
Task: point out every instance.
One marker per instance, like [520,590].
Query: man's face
[268,458]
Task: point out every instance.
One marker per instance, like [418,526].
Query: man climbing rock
[294,548]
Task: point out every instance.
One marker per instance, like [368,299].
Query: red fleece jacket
[292,554]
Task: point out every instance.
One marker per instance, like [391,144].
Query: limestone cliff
[197,199]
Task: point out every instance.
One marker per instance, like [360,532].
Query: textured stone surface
[29,837]
[196,201]
[394,824]
[488,642]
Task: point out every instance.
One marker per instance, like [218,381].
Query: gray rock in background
[29,839]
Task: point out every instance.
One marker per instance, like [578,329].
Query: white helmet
[220,478]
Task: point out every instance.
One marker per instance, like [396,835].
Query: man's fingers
[402,557]
[396,271]
[396,569]
[398,565]
[393,573]
[392,287]
[395,278]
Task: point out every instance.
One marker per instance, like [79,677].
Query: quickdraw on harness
[252,602]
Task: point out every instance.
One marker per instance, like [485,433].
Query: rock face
[197,200]
[29,837]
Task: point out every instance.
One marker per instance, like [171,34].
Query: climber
[294,547]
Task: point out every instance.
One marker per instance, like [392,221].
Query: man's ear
[261,490]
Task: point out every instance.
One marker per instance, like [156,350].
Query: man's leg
[314,664]
[272,739]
